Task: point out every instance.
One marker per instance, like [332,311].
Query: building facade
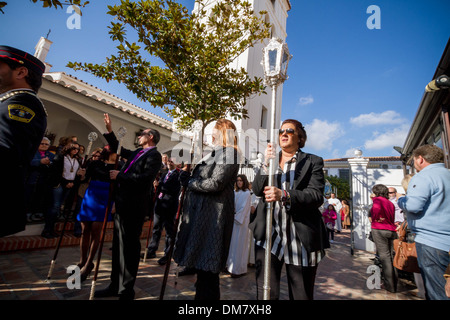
[380,170]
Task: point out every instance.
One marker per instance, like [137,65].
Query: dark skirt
[95,201]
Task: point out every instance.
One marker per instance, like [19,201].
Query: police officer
[23,121]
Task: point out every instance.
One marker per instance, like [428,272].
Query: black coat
[206,225]
[306,198]
[170,190]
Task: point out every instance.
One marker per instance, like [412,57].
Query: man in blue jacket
[427,207]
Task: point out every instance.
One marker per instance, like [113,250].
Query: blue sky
[351,86]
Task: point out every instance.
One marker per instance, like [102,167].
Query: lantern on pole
[275,62]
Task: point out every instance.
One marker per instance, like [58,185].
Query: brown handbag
[405,253]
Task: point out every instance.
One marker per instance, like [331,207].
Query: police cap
[22,58]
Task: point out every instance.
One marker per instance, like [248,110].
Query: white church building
[253,132]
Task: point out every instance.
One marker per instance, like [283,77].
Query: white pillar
[361,202]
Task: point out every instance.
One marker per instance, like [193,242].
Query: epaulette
[16,92]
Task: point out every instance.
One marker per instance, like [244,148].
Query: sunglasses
[288,131]
[145,134]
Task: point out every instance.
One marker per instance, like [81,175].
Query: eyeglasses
[45,144]
[288,131]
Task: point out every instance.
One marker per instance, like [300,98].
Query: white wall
[388,177]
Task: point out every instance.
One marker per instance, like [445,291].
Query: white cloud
[390,138]
[389,117]
[322,134]
[303,101]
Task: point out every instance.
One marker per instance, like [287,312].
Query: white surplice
[238,254]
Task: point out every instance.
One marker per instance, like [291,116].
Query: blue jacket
[38,172]
[427,206]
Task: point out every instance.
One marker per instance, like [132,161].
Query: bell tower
[42,49]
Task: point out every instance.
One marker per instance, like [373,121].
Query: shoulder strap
[402,230]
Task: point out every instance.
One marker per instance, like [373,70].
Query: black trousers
[125,253]
[300,279]
[164,217]
[207,286]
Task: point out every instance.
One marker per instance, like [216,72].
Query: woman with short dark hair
[384,233]
[299,237]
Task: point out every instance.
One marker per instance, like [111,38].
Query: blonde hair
[227,131]
[405,181]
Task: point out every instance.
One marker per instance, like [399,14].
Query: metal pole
[270,205]
[172,244]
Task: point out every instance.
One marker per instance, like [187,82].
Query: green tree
[191,78]
[52,3]
[342,187]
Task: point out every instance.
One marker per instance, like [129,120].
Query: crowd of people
[53,181]
[222,226]
[424,207]
[336,215]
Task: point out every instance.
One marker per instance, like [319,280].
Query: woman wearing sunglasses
[299,236]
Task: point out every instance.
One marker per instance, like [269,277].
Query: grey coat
[206,226]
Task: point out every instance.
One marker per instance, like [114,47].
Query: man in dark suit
[134,183]
[167,193]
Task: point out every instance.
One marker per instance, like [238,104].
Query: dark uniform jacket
[23,121]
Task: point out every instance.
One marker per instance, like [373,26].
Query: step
[31,242]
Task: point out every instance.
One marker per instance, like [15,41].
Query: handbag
[405,253]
